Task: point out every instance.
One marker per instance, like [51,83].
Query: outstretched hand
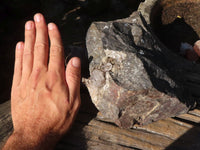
[45,97]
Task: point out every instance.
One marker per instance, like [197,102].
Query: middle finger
[41,48]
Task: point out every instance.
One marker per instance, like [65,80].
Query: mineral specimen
[133,77]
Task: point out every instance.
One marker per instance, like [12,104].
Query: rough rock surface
[133,77]
[169,18]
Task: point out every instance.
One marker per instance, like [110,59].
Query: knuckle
[41,46]
[39,68]
[53,76]
[36,73]
[56,49]
[29,34]
[27,52]
[18,57]
[74,76]
[48,86]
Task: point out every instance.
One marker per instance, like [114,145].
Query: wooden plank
[97,132]
[128,138]
[190,117]
[91,132]
[195,112]
[168,127]
[146,137]
[5,122]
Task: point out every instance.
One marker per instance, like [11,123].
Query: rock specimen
[133,77]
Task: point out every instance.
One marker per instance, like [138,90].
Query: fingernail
[29,25]
[38,17]
[51,26]
[19,45]
[76,62]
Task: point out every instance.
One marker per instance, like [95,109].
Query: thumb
[73,78]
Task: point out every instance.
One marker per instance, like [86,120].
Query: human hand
[45,98]
[197,47]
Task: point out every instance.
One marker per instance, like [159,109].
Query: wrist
[18,140]
[21,140]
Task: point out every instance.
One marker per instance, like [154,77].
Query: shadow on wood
[189,140]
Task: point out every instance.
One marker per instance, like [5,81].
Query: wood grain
[92,133]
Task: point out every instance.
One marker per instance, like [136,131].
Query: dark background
[72,16]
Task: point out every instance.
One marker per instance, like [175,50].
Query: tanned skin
[197,47]
[45,96]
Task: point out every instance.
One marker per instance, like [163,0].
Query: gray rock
[133,77]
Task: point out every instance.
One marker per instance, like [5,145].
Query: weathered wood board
[91,133]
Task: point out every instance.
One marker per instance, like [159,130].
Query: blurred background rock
[72,16]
